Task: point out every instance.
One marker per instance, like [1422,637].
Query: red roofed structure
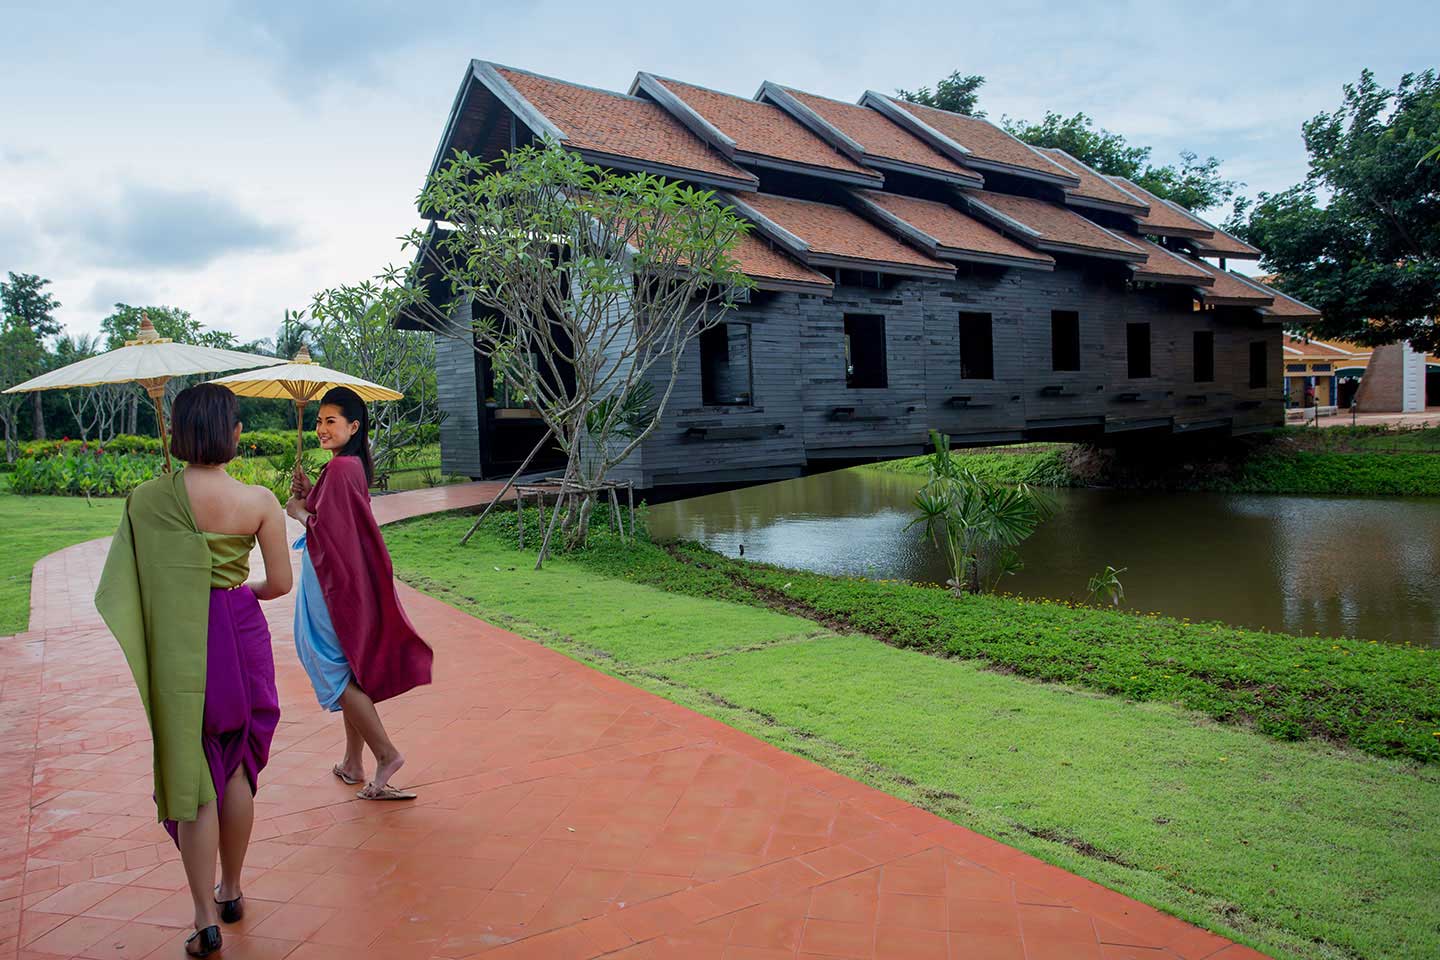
[913,269]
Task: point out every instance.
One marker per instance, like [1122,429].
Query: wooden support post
[508,484]
[630,494]
[615,519]
[550,530]
[520,516]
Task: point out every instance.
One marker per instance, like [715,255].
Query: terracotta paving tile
[563,815]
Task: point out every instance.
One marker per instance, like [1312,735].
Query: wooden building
[914,269]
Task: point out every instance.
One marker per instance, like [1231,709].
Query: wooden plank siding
[798,376]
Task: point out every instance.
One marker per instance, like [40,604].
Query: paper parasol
[300,381]
[149,360]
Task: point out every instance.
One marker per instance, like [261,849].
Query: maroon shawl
[386,655]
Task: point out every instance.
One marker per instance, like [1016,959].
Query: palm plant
[1106,585]
[978,523]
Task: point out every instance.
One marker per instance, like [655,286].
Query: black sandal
[231,911]
[209,942]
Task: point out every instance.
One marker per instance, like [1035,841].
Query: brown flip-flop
[342,776]
[387,792]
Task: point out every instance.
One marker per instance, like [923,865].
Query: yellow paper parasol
[149,360]
[300,381]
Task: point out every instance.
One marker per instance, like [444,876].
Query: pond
[1337,566]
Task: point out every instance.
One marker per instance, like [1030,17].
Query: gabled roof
[748,131]
[946,233]
[604,127]
[867,136]
[976,143]
[823,235]
[1285,306]
[1165,219]
[1045,226]
[773,270]
[1325,349]
[1163,266]
[1224,245]
[1095,190]
[1232,290]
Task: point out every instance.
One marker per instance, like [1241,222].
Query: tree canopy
[24,301]
[1193,183]
[958,93]
[1359,237]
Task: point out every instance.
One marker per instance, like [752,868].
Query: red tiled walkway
[563,814]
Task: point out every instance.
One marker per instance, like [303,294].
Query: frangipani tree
[582,286]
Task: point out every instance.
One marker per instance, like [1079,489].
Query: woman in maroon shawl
[351,633]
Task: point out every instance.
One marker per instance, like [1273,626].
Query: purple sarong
[242,707]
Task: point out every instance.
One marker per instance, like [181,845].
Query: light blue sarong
[315,639]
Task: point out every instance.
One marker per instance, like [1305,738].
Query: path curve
[564,814]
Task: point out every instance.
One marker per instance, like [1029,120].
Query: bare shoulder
[260,500]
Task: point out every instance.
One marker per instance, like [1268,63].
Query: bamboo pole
[156,390]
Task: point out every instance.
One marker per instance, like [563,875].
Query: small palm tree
[1106,585]
[978,523]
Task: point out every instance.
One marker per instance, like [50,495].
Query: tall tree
[1193,183]
[958,93]
[1359,237]
[26,303]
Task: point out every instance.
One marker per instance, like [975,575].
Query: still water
[1337,566]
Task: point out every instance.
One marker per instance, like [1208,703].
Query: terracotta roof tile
[621,126]
[1056,224]
[984,140]
[878,136]
[1324,349]
[1231,289]
[1163,265]
[1093,186]
[952,229]
[761,262]
[836,232]
[762,128]
[1223,244]
[1166,219]
[1288,307]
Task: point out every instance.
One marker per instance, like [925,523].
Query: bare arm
[278,576]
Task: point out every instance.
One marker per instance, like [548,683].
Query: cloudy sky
[234,158]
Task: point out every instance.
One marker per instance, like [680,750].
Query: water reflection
[1328,565]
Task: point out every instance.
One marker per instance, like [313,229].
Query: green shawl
[154,595]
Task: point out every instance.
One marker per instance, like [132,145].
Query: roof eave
[1110,206]
[792,286]
[1079,250]
[963,179]
[673,104]
[996,259]
[769,228]
[828,173]
[841,262]
[778,96]
[1170,278]
[702,177]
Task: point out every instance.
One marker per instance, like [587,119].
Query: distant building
[1324,373]
[913,269]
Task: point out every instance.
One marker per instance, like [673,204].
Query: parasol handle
[299,432]
[156,390]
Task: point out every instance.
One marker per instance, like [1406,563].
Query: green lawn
[1300,849]
[34,527]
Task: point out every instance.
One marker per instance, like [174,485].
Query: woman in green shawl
[175,595]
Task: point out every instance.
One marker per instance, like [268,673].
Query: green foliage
[88,474]
[1359,238]
[123,323]
[24,301]
[958,93]
[1369,474]
[1105,586]
[976,522]
[1037,465]
[1194,184]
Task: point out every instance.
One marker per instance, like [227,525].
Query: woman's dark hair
[202,425]
[354,409]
